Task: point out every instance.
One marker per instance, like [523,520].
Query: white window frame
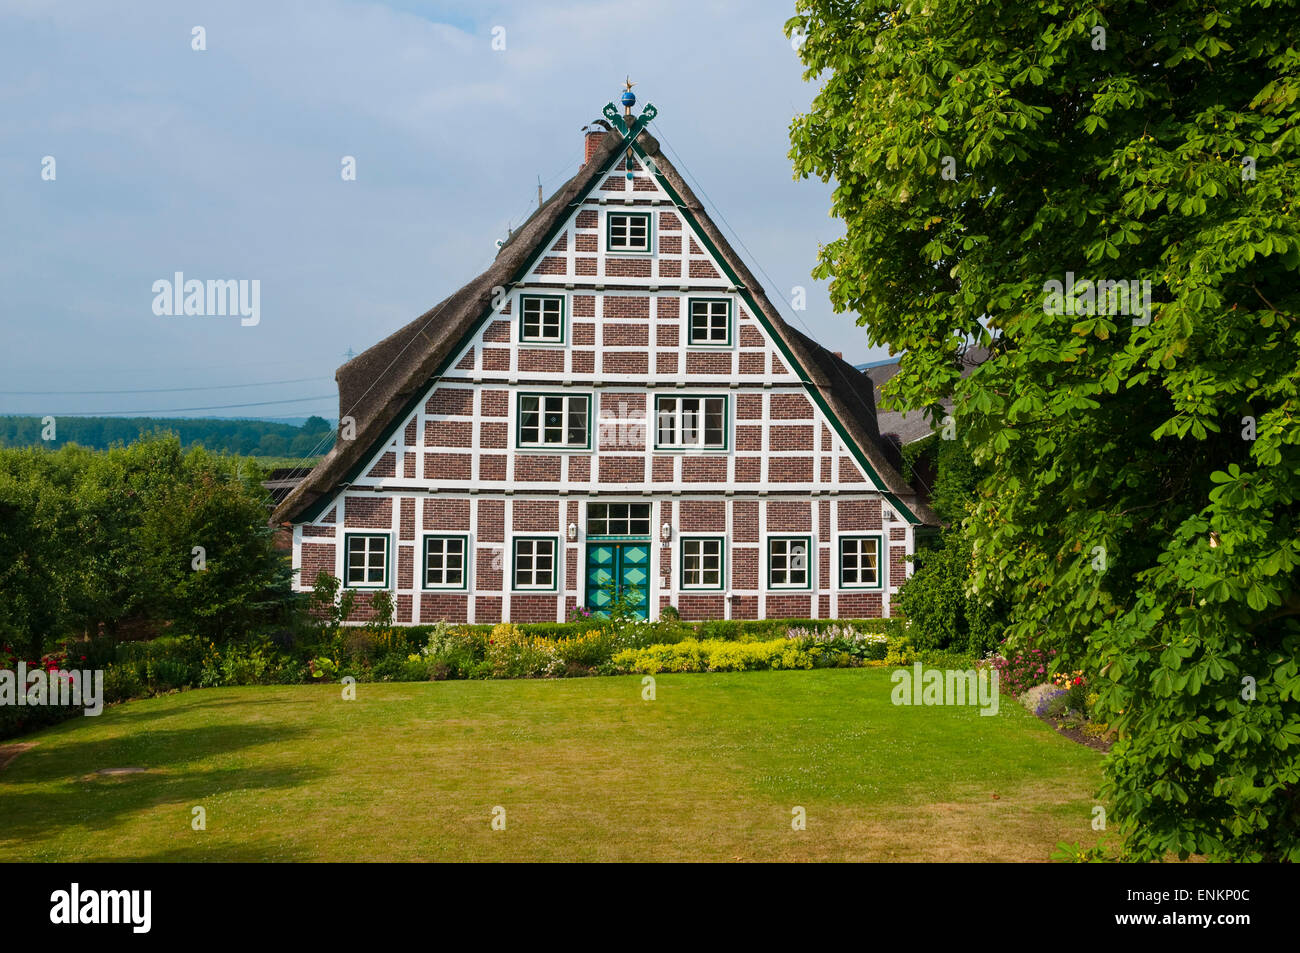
[628,249]
[367,563]
[542,302]
[789,542]
[567,402]
[711,317]
[700,414]
[516,554]
[464,562]
[860,538]
[686,543]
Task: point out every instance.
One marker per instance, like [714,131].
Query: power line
[181,410]
[154,390]
[763,271]
[99,368]
[329,438]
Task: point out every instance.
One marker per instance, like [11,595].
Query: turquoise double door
[619,570]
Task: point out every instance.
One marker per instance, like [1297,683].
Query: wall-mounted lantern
[573,531]
[666,532]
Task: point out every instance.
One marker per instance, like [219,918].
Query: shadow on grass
[139,710]
[102,804]
[68,759]
[70,793]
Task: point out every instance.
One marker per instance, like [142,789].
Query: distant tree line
[261,438]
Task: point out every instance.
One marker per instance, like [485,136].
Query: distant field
[272,463]
[584,768]
[250,437]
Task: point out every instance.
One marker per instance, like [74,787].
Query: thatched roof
[379,386]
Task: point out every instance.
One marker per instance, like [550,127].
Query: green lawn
[584,768]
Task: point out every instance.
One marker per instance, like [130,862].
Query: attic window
[628,231]
[541,319]
[710,321]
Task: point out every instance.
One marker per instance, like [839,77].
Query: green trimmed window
[554,420]
[535,563]
[618,519]
[787,562]
[541,319]
[703,562]
[365,561]
[627,232]
[444,562]
[710,322]
[691,422]
[860,562]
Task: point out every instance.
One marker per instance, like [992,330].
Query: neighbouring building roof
[380,385]
[910,427]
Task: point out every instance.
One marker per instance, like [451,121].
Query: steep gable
[381,388]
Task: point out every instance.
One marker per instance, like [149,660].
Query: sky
[225,163]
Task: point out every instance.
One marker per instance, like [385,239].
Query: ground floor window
[366,561]
[702,562]
[859,562]
[444,562]
[787,562]
[534,563]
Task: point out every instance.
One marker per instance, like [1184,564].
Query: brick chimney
[591,142]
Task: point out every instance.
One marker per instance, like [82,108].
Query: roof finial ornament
[628,99]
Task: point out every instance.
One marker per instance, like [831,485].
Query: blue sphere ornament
[628,99]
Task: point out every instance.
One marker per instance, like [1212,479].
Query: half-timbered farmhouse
[614,410]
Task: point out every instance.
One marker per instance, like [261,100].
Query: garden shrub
[867,646]
[1020,670]
[900,651]
[719,655]
[393,668]
[589,650]
[121,683]
[512,654]
[165,663]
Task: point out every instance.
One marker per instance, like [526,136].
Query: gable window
[684,422]
[627,231]
[618,519]
[554,420]
[710,322]
[702,562]
[860,562]
[535,563]
[444,562]
[541,319]
[365,561]
[787,562]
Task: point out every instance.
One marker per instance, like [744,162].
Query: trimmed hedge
[733,630]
